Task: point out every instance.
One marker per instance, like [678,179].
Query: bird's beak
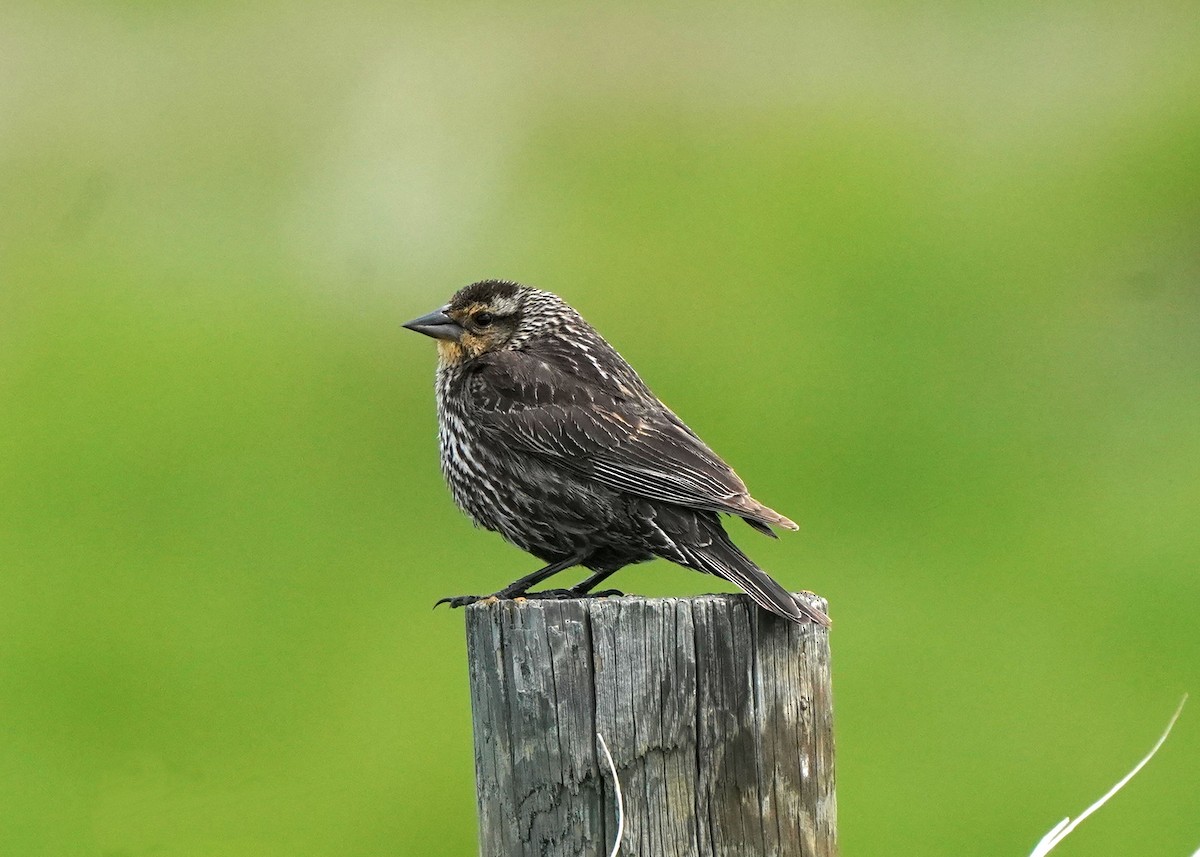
[436,324]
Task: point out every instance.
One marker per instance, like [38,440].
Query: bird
[550,438]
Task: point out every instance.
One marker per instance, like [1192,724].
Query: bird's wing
[629,442]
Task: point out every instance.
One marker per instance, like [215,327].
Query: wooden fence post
[718,715]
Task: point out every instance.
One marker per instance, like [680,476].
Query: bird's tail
[724,559]
[768,515]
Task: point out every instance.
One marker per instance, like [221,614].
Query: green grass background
[927,275]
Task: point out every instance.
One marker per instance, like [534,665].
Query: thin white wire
[1060,831]
[620,805]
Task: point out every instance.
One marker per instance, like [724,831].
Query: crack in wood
[718,716]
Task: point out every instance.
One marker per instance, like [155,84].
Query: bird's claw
[603,593]
[567,594]
[465,600]
[544,595]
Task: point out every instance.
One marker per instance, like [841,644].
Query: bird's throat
[450,353]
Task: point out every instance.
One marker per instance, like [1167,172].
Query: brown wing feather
[631,443]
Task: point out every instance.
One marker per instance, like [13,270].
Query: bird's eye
[483,319]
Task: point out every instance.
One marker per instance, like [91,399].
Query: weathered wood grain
[718,715]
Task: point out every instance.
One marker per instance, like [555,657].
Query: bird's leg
[583,589]
[517,588]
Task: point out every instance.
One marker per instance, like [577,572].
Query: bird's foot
[544,595]
[566,594]
[601,593]
[465,600]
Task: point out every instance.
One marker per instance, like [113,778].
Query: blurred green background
[927,275]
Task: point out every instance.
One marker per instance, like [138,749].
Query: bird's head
[490,315]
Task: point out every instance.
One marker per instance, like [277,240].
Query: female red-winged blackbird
[551,439]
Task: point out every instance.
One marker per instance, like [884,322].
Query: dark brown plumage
[551,439]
